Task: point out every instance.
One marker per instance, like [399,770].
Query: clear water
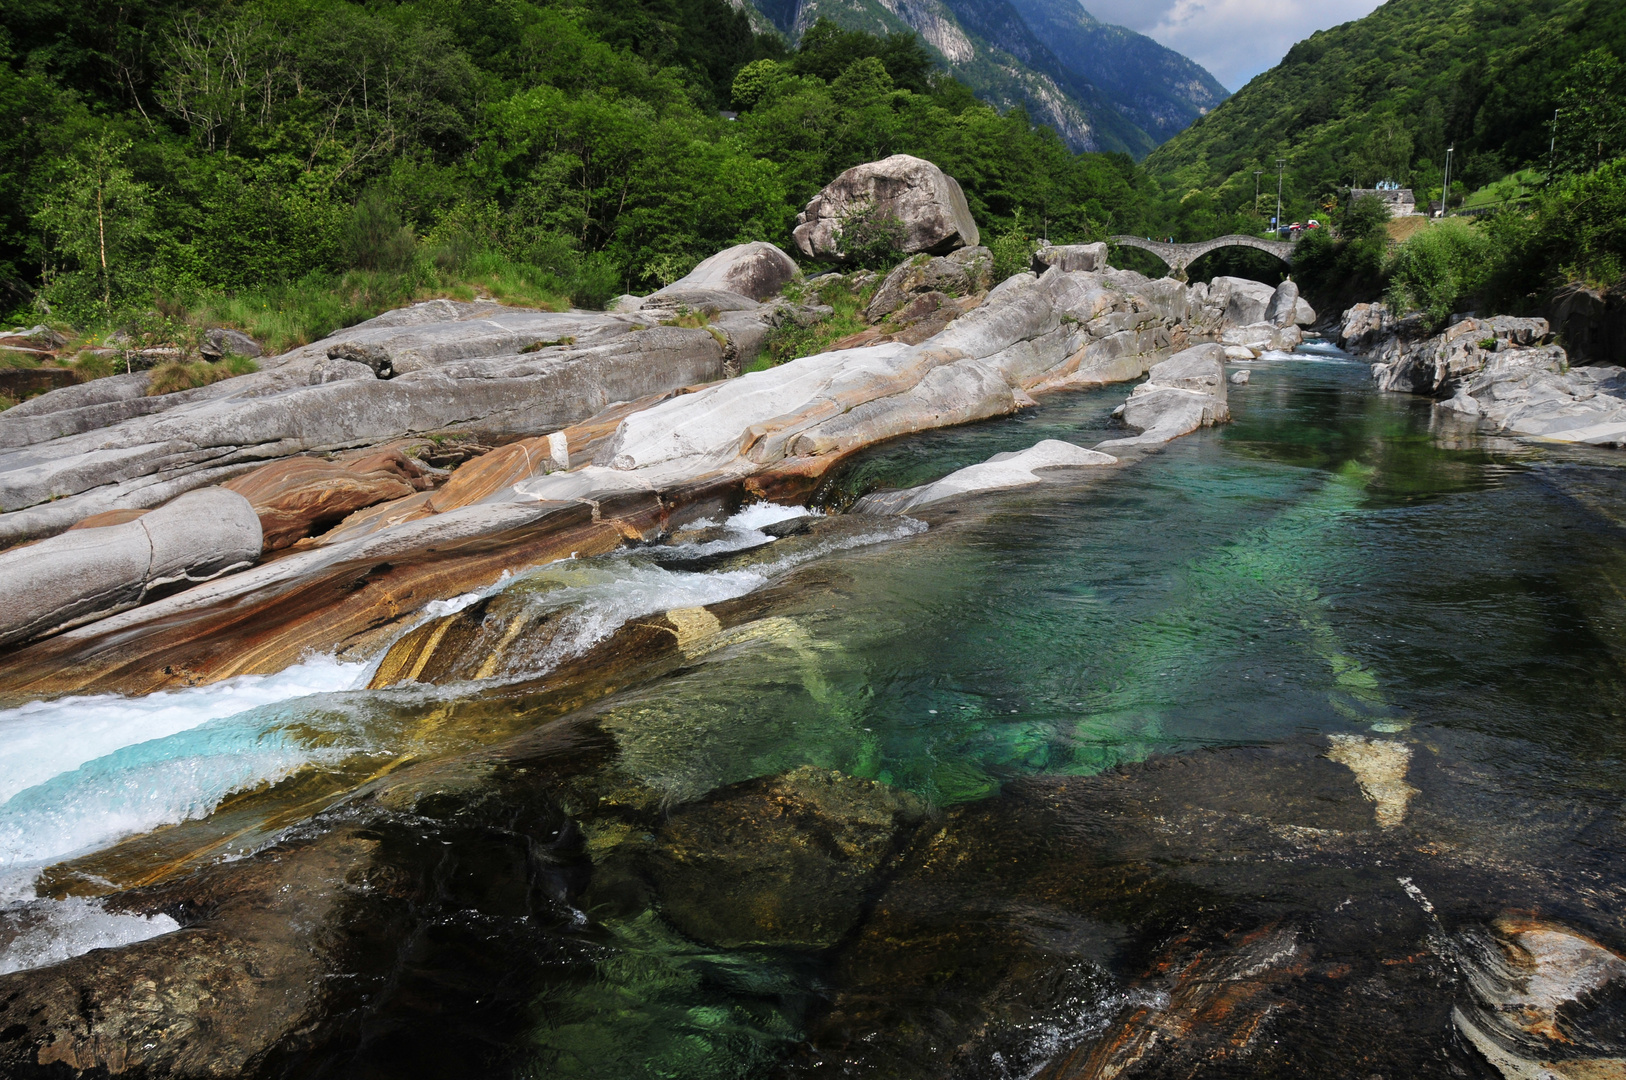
[1196,628]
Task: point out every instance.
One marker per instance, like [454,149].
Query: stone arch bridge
[1180,256]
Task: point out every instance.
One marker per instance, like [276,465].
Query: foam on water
[79,773]
[42,932]
[600,596]
[44,738]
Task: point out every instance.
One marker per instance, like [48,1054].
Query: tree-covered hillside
[336,157]
[1383,97]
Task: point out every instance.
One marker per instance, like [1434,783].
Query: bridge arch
[1180,256]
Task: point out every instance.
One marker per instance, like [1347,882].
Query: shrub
[869,236]
[1440,270]
[1012,250]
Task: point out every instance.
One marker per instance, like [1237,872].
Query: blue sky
[1234,39]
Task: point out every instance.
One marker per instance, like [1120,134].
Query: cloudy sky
[1234,39]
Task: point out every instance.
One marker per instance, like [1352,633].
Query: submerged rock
[798,857]
[927,203]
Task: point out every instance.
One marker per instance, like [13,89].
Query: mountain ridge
[1101,87]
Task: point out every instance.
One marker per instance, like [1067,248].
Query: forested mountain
[326,158]
[1383,97]
[1101,87]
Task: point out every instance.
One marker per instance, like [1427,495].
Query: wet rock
[1379,766]
[756,270]
[1240,378]
[1538,991]
[928,203]
[1182,394]
[798,855]
[89,574]
[999,472]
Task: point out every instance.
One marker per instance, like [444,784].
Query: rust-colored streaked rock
[299,496]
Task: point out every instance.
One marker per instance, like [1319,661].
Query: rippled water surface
[1119,717]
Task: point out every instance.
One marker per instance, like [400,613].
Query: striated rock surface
[301,496]
[927,202]
[90,573]
[1034,465]
[501,373]
[631,471]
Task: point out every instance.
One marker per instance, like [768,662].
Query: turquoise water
[1111,699]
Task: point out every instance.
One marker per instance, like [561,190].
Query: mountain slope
[1101,87]
[1382,98]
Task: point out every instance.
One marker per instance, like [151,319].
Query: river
[1321,695]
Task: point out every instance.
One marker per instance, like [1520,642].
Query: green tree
[94,220]
[1591,114]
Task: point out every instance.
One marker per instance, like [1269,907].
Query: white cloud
[1234,39]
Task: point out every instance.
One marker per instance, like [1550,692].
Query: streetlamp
[1281,169]
[1445,192]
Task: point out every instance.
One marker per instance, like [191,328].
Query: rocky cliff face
[1100,87]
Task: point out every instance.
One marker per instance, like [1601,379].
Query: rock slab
[89,573]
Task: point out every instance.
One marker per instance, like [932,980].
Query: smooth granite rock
[756,270]
[1010,470]
[91,573]
[928,203]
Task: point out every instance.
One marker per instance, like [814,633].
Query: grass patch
[6,402]
[16,361]
[176,376]
[792,340]
[538,346]
[691,320]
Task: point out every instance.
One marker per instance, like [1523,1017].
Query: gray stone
[1243,302]
[220,342]
[756,270]
[332,369]
[1071,257]
[1000,472]
[1182,394]
[373,356]
[90,573]
[927,202]
[959,273]
[1241,378]
[1282,311]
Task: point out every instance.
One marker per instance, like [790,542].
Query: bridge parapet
[1180,256]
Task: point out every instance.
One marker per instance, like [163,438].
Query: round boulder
[757,270]
[927,203]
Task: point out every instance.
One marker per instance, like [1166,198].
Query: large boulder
[86,574]
[757,270]
[1183,393]
[960,273]
[1244,302]
[928,203]
[1282,311]
[1071,257]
